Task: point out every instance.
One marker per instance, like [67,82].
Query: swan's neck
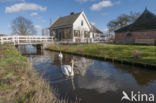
[61,61]
[72,66]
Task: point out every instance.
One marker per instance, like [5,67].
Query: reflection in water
[73,84]
[99,79]
[96,81]
[142,77]
[30,50]
[82,64]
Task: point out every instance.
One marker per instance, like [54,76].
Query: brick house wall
[131,37]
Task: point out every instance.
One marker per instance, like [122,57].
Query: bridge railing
[25,39]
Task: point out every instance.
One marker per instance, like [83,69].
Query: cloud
[33,14]
[83,1]
[24,7]
[100,5]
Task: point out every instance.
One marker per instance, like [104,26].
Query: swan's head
[72,61]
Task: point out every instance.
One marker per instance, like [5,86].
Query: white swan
[60,56]
[67,70]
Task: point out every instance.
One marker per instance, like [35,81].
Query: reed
[19,83]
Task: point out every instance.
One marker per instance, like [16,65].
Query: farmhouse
[142,31]
[74,28]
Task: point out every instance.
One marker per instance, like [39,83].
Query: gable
[79,20]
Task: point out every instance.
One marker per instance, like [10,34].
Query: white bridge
[23,40]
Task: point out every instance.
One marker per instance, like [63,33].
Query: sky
[98,12]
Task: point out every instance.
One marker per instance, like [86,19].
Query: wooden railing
[16,39]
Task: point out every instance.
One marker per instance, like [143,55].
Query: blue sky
[99,12]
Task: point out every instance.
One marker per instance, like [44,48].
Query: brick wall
[130,37]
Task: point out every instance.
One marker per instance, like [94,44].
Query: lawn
[130,53]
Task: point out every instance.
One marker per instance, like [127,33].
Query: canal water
[95,81]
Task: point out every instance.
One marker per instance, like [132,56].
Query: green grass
[120,52]
[19,83]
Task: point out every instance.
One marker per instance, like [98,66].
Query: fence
[25,39]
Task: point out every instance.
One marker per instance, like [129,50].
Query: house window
[77,33]
[67,33]
[86,34]
[82,23]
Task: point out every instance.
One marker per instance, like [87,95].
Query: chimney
[72,13]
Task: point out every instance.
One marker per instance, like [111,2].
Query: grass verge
[145,55]
[18,82]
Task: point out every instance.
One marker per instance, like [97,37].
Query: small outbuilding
[142,31]
[95,32]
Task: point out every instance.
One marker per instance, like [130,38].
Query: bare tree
[122,21]
[22,26]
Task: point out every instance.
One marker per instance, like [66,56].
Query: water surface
[95,81]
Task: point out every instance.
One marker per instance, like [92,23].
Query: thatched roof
[65,21]
[147,21]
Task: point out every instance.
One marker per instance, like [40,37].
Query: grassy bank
[18,82]
[145,55]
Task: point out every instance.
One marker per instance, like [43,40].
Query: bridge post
[46,39]
[13,40]
[6,39]
[18,39]
[30,39]
[26,39]
[1,40]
